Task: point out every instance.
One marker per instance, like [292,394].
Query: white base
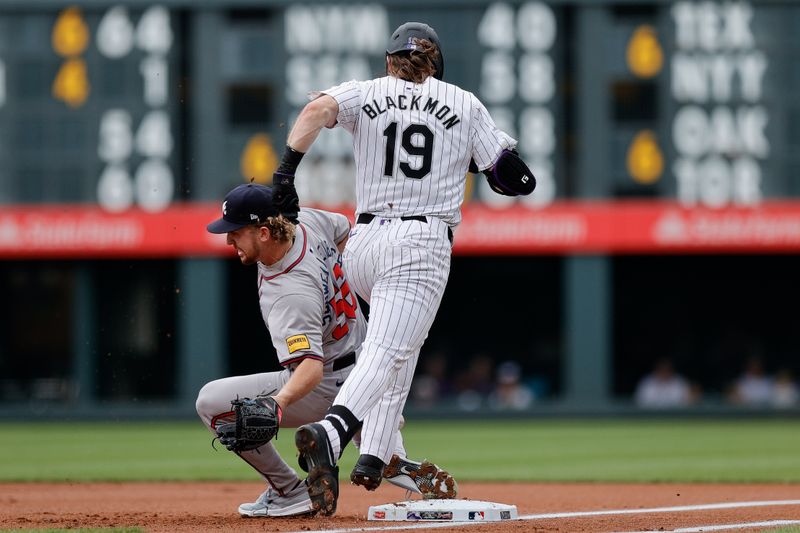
[443,511]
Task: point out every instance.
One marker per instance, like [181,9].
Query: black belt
[344,361]
[366,218]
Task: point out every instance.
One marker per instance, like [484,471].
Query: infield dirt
[184,507]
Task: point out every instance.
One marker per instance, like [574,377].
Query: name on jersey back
[401,101]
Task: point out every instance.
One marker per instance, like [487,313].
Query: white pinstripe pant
[400,268]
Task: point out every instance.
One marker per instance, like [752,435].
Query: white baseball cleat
[270,503]
[423,478]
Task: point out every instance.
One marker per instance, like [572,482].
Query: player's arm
[295,325]
[339,104]
[317,114]
[305,377]
[495,154]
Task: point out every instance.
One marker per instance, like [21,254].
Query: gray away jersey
[413,142]
[305,299]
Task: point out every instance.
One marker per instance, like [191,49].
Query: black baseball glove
[256,424]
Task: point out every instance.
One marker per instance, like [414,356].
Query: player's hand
[284,196]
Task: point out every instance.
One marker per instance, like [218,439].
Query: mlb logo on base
[443,511]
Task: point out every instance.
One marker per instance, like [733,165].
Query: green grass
[526,450]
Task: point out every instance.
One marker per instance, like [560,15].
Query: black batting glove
[284,196]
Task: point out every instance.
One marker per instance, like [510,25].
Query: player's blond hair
[280,228]
[416,66]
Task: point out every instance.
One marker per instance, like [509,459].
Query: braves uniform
[310,311]
[412,145]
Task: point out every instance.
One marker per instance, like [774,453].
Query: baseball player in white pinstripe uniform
[414,138]
[317,329]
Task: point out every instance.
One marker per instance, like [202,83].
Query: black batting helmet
[402,40]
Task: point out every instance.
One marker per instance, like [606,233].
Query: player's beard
[248,255]
[247,258]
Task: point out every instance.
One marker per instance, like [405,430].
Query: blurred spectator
[753,387]
[664,388]
[785,392]
[510,392]
[477,376]
[434,383]
[475,384]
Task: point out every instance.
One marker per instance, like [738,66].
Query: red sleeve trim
[300,358]
[296,262]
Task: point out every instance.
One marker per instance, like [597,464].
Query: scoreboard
[89,106]
[507,54]
[141,109]
[730,96]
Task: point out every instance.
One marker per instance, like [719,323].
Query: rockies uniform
[412,145]
[414,138]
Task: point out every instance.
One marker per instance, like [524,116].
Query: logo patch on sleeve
[297,342]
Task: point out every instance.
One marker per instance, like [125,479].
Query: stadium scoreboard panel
[730,94]
[509,55]
[101,101]
[89,106]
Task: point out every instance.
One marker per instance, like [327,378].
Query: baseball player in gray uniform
[414,138]
[317,329]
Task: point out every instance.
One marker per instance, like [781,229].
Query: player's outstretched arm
[317,114]
[305,377]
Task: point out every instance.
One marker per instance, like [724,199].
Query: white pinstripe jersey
[305,299]
[413,143]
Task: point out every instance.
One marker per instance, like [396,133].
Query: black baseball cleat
[301,461]
[368,472]
[323,474]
